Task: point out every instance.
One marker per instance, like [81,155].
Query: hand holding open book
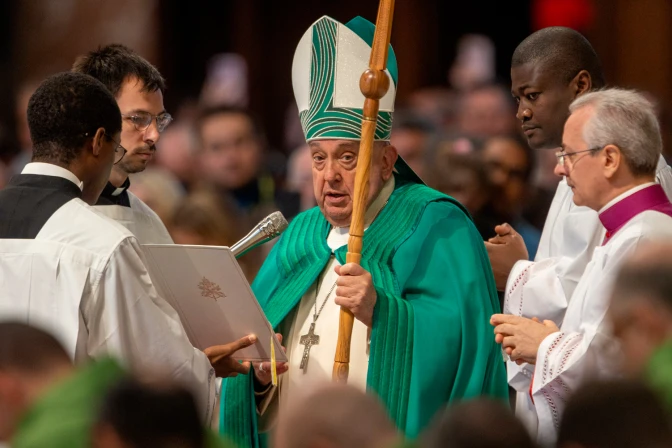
[222,357]
[207,288]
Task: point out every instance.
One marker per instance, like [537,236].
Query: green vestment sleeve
[444,274]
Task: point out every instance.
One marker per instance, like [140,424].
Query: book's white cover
[209,291]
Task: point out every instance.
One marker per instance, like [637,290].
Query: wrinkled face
[543,104]
[334,163]
[583,171]
[411,144]
[140,144]
[507,165]
[231,153]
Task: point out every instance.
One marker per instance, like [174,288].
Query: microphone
[268,228]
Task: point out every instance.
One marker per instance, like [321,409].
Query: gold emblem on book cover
[211,290]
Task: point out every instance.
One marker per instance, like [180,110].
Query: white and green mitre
[328,63]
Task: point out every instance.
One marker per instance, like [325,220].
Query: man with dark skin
[549,69]
[85,276]
[543,86]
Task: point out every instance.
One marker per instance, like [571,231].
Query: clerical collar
[338,236]
[112,195]
[619,211]
[49,169]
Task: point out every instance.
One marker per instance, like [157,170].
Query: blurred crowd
[215,174]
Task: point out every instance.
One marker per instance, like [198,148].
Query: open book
[207,288]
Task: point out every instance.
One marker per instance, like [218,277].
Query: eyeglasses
[119,151]
[563,156]
[142,120]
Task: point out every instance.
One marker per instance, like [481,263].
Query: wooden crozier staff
[373,84]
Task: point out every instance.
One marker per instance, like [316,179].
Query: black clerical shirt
[112,195]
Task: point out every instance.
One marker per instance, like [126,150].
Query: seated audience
[44,401]
[480,423]
[641,316]
[614,414]
[335,416]
[509,163]
[139,414]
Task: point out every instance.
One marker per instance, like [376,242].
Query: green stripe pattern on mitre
[322,120]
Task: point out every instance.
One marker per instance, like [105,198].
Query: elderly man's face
[334,163]
[581,168]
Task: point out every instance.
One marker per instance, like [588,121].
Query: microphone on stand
[268,228]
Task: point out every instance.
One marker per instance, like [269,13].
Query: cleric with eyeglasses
[138,88]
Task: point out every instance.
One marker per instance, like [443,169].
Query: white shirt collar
[118,191]
[622,196]
[48,169]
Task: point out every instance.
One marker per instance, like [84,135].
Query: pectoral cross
[308,340]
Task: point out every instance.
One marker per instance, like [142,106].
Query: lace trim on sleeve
[521,280]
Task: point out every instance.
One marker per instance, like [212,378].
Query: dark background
[40,37]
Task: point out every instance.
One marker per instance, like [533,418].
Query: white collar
[338,236]
[49,169]
[622,196]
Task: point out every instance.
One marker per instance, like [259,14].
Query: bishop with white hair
[611,147]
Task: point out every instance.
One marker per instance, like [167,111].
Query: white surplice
[141,220]
[84,279]
[583,348]
[321,360]
[542,288]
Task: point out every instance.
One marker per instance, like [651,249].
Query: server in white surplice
[66,267]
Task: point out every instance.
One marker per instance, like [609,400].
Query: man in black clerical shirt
[71,270]
[75,142]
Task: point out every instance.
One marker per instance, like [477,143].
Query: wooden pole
[373,84]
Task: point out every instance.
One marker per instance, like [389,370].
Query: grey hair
[626,119]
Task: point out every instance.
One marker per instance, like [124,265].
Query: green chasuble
[431,341]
